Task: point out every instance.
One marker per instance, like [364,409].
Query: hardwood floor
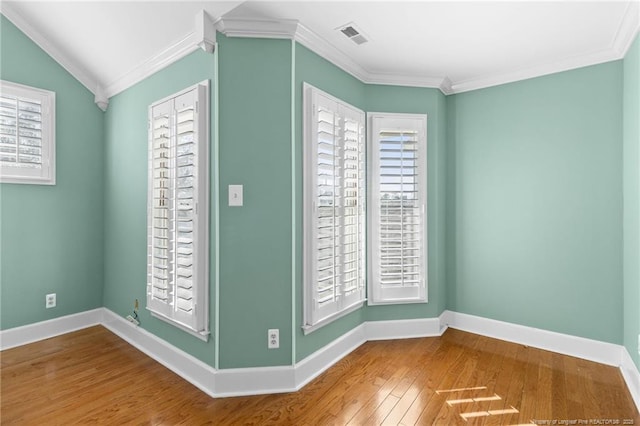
[93,377]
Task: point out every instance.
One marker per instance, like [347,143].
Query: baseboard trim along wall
[278,379]
[30,333]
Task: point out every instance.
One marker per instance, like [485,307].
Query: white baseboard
[592,350]
[322,359]
[183,364]
[402,329]
[30,333]
[631,376]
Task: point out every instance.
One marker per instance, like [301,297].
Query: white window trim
[309,186]
[201,229]
[47,173]
[373,291]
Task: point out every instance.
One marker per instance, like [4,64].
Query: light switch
[235,195]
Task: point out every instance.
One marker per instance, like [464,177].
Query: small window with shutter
[178,187]
[27,134]
[334,208]
[398,199]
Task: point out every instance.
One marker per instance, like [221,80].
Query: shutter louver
[26,134]
[178,211]
[400,212]
[334,206]
[399,197]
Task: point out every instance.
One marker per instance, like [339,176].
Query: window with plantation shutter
[177,267]
[398,198]
[334,207]
[27,134]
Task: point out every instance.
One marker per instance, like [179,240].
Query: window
[334,208]
[398,198]
[27,134]
[177,222]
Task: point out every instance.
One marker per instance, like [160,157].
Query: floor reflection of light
[466,416]
[495,397]
[460,389]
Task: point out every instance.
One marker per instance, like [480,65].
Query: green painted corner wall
[51,236]
[255,240]
[631,188]
[125,197]
[536,237]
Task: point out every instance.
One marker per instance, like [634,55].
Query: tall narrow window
[334,207]
[177,270]
[27,134]
[398,198]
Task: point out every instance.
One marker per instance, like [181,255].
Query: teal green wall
[51,236]
[320,73]
[125,197]
[525,200]
[538,201]
[631,214]
[255,240]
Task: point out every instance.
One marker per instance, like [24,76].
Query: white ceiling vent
[353,32]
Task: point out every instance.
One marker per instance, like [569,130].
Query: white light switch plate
[235,195]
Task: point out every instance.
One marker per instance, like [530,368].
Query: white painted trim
[403,329]
[30,333]
[326,50]
[257,28]
[629,28]
[78,72]
[185,365]
[322,359]
[171,54]
[592,350]
[631,376]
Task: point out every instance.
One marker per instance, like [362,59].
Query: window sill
[202,335]
[306,329]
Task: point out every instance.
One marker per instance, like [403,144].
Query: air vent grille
[353,33]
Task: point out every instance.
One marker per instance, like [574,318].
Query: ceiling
[453,45]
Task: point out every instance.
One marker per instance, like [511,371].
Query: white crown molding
[629,28]
[328,51]
[77,71]
[257,28]
[568,64]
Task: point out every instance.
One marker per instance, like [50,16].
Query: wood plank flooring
[93,377]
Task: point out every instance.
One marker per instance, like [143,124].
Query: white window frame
[316,316]
[45,174]
[195,322]
[377,293]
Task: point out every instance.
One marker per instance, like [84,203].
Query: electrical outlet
[50,301]
[273,335]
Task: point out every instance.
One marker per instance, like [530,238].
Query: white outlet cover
[273,338]
[50,300]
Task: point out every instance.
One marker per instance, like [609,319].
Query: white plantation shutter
[398,254]
[27,134]
[177,276]
[334,206]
